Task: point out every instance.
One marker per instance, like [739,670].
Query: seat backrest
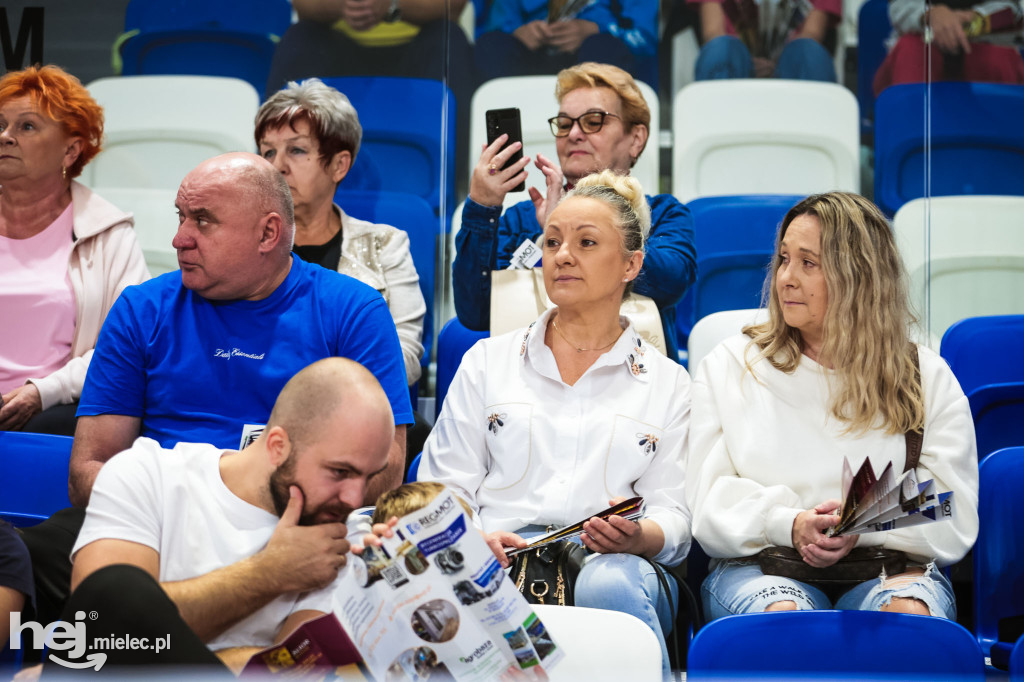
[998,411]
[452,343]
[535,98]
[985,350]
[873,28]
[155,222]
[155,134]
[734,237]
[999,550]
[200,52]
[833,645]
[966,274]
[1017,661]
[717,327]
[414,215]
[409,129]
[583,634]
[35,480]
[751,136]
[249,16]
[975,143]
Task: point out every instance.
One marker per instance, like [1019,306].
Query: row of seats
[805,645]
[155,135]
[237,39]
[730,137]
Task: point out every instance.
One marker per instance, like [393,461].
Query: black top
[327,255]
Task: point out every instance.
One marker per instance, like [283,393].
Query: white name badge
[250,432]
[526,256]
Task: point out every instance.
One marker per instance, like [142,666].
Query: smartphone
[506,121]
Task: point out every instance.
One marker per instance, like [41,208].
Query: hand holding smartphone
[507,122]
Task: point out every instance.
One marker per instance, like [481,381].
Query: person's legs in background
[606,48]
[988,63]
[805,59]
[723,57]
[908,61]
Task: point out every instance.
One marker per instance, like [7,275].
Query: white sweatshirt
[764,449]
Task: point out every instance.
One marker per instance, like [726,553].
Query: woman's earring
[64,172]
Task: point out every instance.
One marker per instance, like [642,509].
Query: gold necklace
[554,322]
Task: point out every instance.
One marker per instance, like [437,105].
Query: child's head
[408,498]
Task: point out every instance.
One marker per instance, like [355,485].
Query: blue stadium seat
[414,469]
[987,356]
[1017,661]
[976,136]
[412,214]
[250,16]
[452,343]
[873,28]
[834,645]
[998,411]
[196,37]
[999,551]
[408,129]
[985,350]
[735,238]
[35,480]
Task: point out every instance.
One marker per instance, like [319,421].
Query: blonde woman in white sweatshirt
[831,375]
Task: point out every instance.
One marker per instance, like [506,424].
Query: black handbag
[547,574]
[862,563]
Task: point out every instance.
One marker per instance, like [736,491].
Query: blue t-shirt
[197,370]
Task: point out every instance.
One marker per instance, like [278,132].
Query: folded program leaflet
[872,503]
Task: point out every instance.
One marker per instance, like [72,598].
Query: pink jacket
[105,259]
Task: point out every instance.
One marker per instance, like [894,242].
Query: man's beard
[280,482]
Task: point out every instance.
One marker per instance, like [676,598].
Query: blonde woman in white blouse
[830,375]
[547,425]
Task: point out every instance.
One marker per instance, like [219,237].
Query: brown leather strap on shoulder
[914,438]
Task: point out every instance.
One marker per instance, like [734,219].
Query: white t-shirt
[765,447]
[525,448]
[176,502]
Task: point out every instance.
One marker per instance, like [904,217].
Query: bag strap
[914,438]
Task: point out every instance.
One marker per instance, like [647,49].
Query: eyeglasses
[590,122]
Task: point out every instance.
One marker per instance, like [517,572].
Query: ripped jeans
[739,586]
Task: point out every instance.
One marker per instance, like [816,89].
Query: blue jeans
[728,57]
[737,586]
[628,584]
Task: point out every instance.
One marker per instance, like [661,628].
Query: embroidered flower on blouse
[526,337]
[495,421]
[638,346]
[635,366]
[648,442]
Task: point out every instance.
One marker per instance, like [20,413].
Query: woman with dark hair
[310,132]
[65,253]
[831,375]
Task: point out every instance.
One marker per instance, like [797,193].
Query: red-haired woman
[65,253]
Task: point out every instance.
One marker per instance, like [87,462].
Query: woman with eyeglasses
[603,123]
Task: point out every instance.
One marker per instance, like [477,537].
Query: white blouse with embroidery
[524,448]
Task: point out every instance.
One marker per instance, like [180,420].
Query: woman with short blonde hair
[550,424]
